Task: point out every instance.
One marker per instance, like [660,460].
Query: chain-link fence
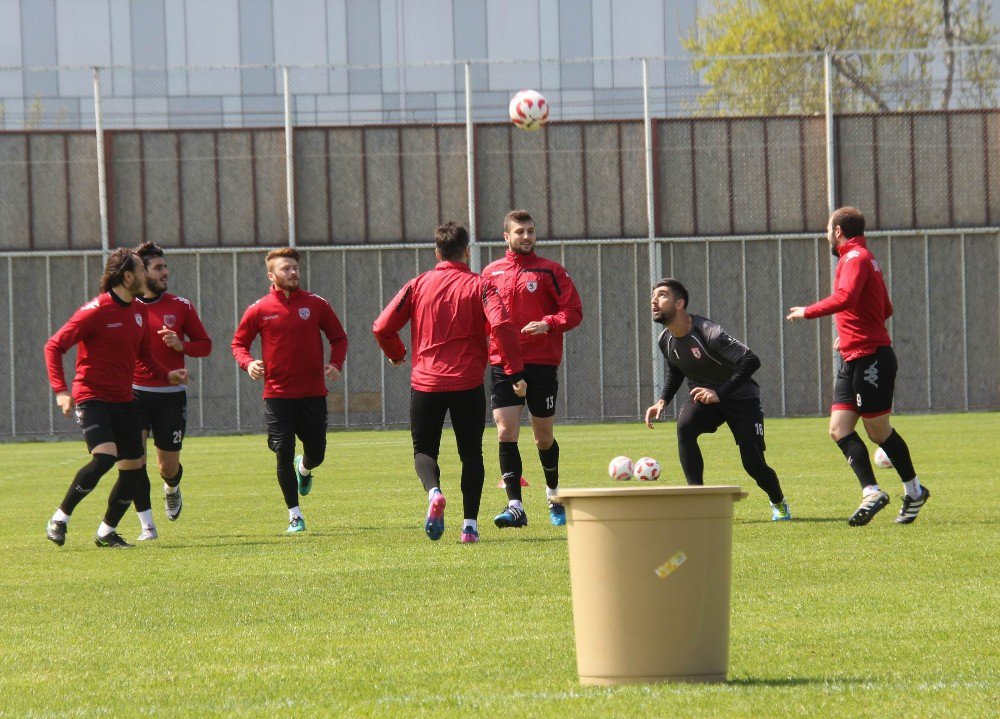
[945,327]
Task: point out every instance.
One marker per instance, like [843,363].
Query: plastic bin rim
[570,493]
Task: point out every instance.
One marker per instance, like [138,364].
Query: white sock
[104,530]
[434,490]
[471,523]
[294,513]
[515,503]
[870,489]
[146,518]
[550,492]
[60,516]
[303,471]
[171,490]
[912,488]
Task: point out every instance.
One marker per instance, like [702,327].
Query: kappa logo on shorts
[169,321]
[696,352]
[138,319]
[531,286]
[304,312]
[871,374]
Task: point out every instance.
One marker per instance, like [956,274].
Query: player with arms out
[112,331]
[291,323]
[719,370]
[177,333]
[866,380]
[450,310]
[544,304]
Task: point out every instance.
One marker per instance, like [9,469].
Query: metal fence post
[102,180]
[289,164]
[470,154]
[657,367]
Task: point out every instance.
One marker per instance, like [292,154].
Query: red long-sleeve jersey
[291,345]
[112,335]
[177,314]
[860,302]
[450,310]
[536,289]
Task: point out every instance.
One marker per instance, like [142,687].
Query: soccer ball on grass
[646,469]
[620,468]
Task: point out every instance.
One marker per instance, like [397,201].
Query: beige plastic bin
[650,572]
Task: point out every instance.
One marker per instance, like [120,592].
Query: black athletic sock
[86,479]
[428,471]
[286,476]
[473,477]
[176,479]
[857,456]
[550,464]
[121,495]
[899,454]
[140,495]
[511,469]
[689,454]
[765,477]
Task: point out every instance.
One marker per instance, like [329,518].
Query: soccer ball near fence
[529,110]
[882,459]
[646,469]
[620,468]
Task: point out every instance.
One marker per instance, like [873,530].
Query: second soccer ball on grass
[646,469]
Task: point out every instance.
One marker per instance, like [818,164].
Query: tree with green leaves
[885,54]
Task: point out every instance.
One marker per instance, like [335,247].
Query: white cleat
[173,504]
[148,534]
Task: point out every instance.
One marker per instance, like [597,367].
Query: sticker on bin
[668,567]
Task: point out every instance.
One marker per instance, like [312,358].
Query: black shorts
[745,418]
[543,388]
[468,419]
[866,385]
[164,416]
[116,422]
[304,417]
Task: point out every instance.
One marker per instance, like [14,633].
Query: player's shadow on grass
[795,520]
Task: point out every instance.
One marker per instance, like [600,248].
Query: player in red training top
[112,332]
[544,305]
[864,386]
[448,310]
[176,333]
[291,322]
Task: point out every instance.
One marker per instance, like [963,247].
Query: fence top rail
[428,246]
[539,60]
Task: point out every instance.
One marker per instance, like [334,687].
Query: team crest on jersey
[696,352]
[138,319]
[304,312]
[169,321]
[532,286]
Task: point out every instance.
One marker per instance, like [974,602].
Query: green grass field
[363,616]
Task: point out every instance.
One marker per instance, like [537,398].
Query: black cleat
[869,507]
[911,507]
[56,532]
[113,540]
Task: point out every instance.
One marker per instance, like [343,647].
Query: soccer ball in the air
[882,459]
[620,468]
[646,469]
[529,110]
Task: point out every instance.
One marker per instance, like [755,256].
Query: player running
[543,304]
[864,387]
[177,333]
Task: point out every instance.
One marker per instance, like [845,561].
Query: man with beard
[543,303]
[112,333]
[163,407]
[719,371]
[290,322]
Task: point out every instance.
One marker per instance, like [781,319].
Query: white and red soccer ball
[882,459]
[646,469]
[529,110]
[620,468]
